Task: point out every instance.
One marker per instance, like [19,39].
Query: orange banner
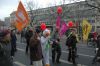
[22,18]
[19,26]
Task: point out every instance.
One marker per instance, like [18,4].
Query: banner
[21,17]
[86,28]
[19,24]
[63,29]
[58,23]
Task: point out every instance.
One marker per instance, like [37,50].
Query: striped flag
[22,18]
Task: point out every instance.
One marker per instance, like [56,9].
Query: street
[53,19]
[85,53]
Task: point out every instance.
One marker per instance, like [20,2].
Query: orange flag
[19,25]
[22,18]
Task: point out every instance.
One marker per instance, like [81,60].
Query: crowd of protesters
[39,46]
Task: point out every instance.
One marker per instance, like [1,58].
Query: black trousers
[13,49]
[76,51]
[56,53]
[27,46]
[71,55]
[96,56]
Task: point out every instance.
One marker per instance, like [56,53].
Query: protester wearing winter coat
[13,43]
[22,35]
[98,41]
[5,49]
[56,47]
[35,49]
[56,51]
[28,35]
[98,50]
[71,43]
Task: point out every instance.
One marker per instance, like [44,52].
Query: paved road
[85,53]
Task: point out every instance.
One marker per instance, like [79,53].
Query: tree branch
[92,5]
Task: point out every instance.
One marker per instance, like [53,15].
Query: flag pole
[19,1]
[95,24]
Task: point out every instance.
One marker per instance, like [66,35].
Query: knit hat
[4,33]
[38,30]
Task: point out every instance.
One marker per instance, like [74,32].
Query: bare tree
[32,5]
[91,3]
[53,10]
[94,4]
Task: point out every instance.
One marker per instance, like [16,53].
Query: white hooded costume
[45,49]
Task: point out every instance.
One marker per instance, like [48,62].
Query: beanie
[38,30]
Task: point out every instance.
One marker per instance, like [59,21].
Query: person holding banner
[71,43]
[56,47]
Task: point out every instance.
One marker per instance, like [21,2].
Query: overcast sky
[8,6]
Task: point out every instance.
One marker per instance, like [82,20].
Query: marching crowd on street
[38,45]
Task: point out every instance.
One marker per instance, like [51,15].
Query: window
[98,26]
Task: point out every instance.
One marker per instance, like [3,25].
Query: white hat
[46,32]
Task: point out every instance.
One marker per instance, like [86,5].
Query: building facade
[7,21]
[2,25]
[75,12]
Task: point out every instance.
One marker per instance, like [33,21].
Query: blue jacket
[13,39]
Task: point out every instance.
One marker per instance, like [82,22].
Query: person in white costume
[45,48]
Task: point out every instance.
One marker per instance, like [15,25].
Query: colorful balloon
[59,10]
[70,24]
[43,26]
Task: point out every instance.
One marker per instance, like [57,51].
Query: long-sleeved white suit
[45,50]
